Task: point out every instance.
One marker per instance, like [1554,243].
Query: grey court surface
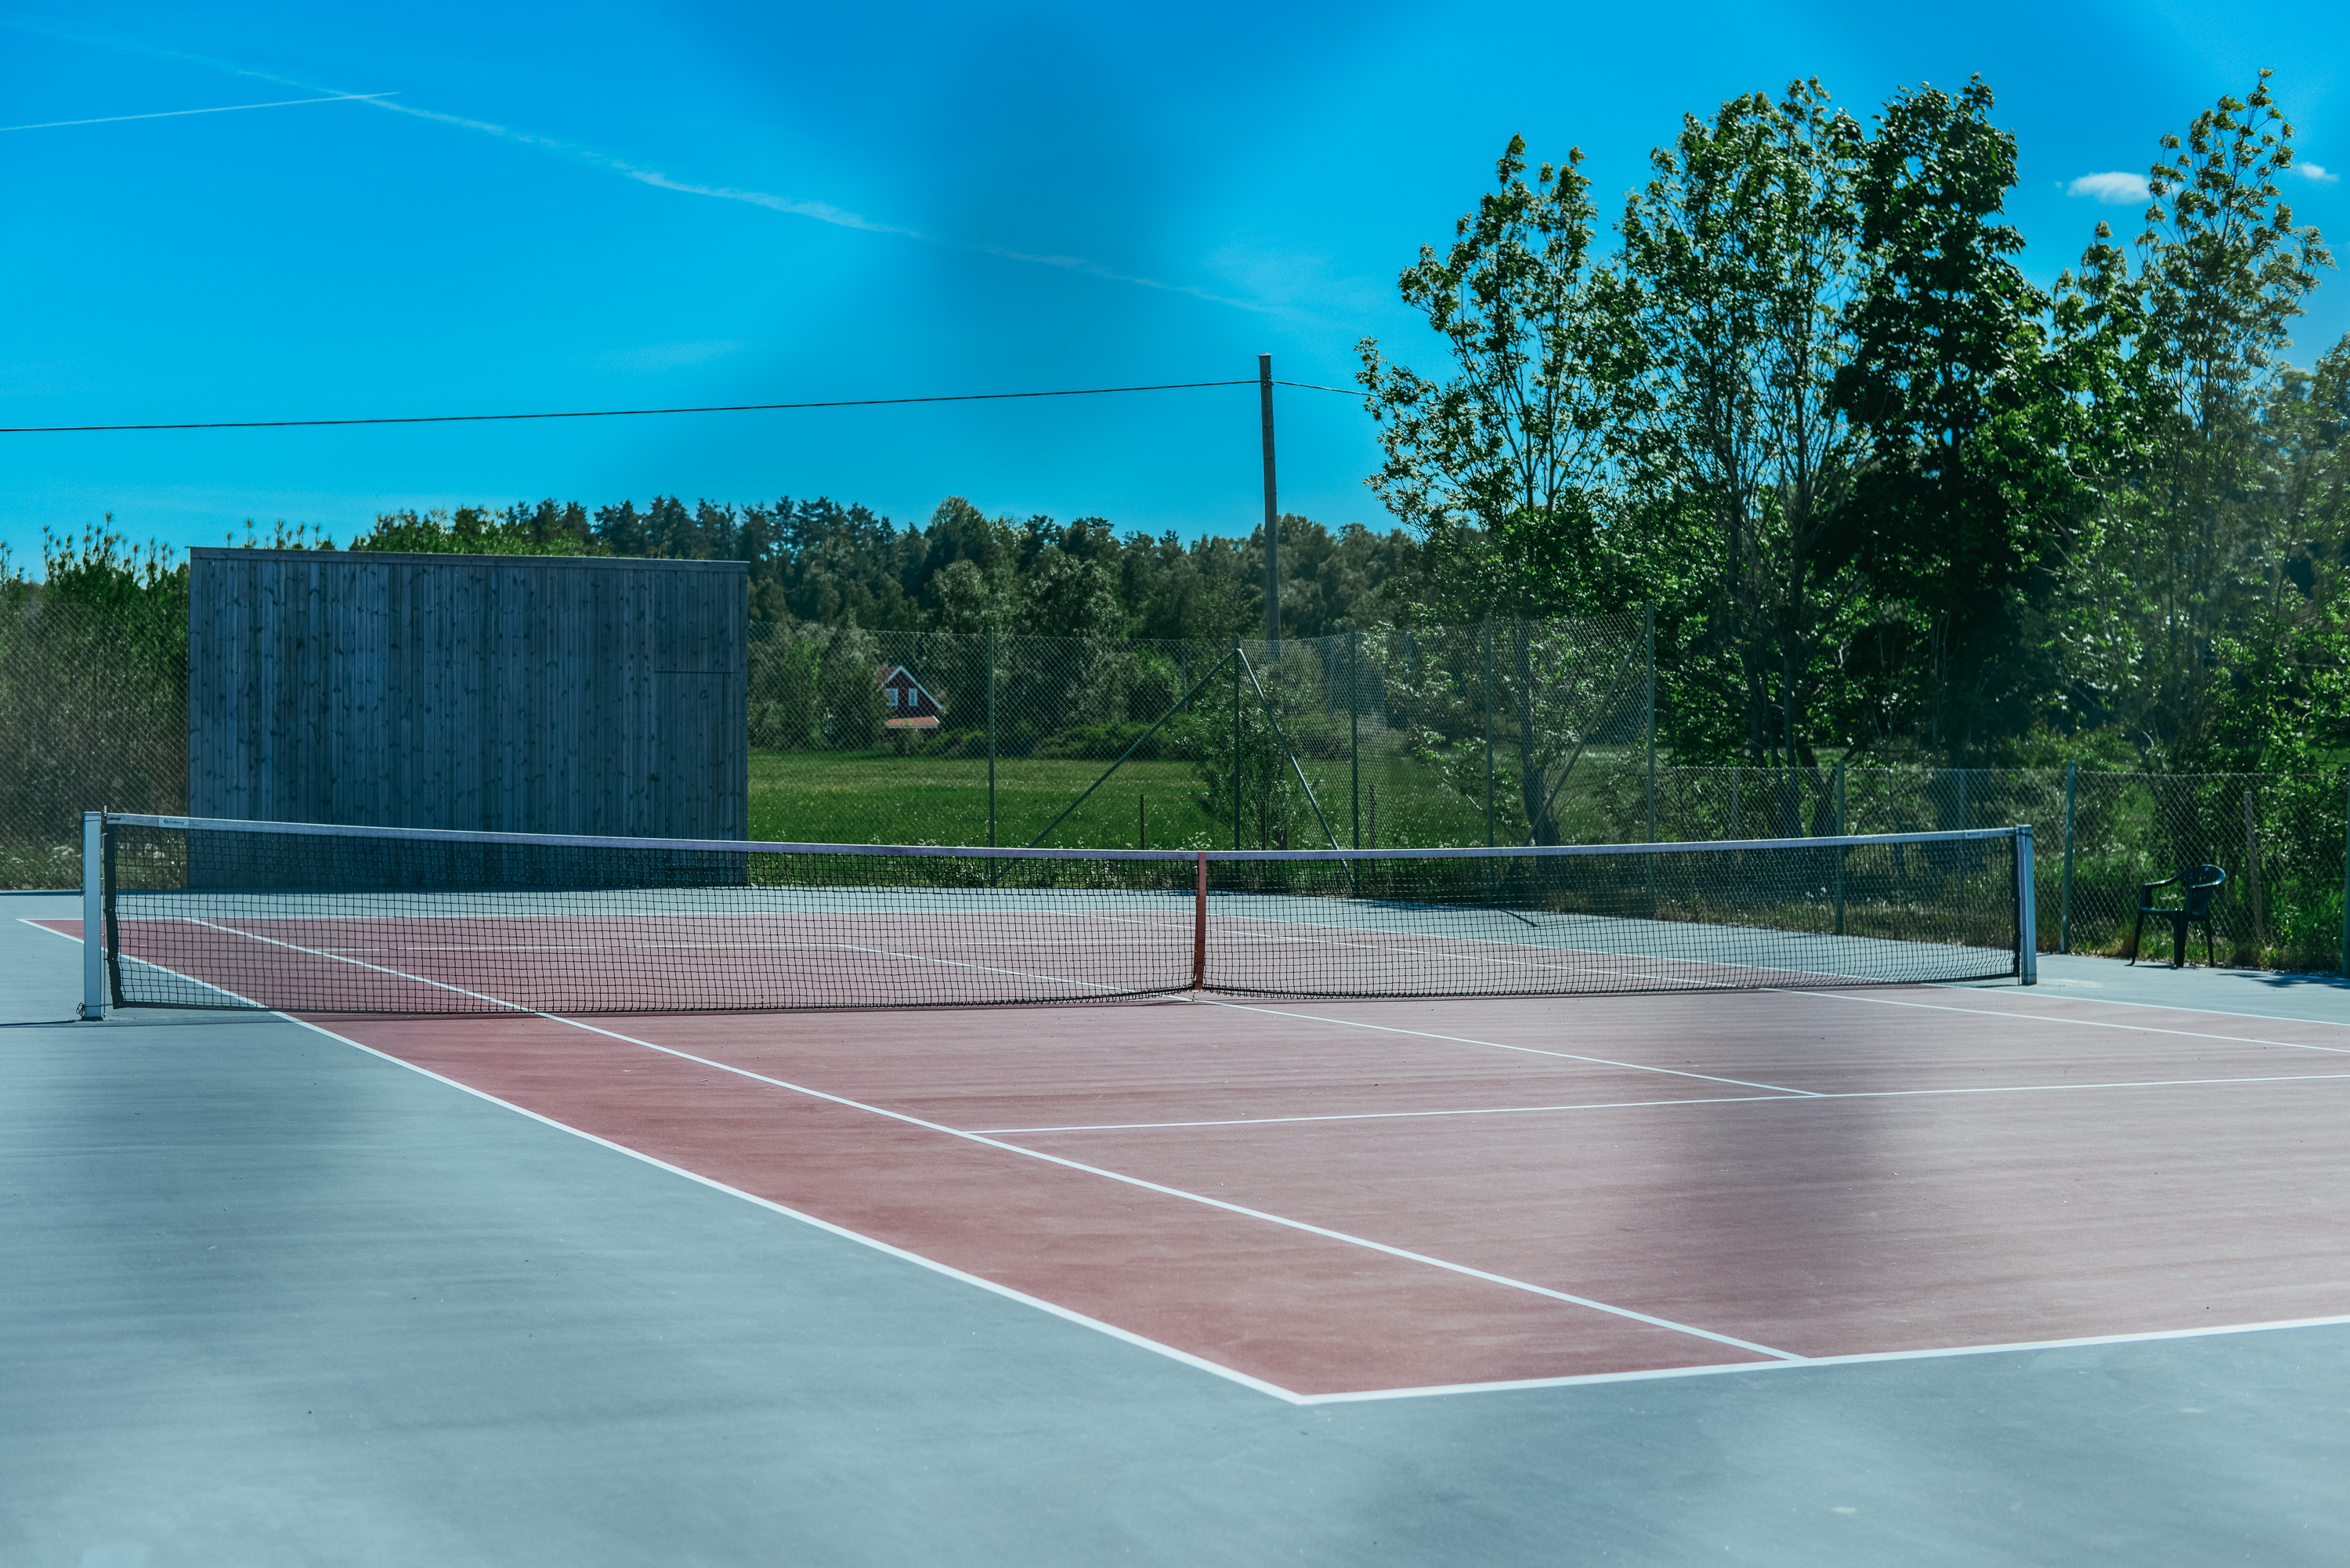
[266,1299]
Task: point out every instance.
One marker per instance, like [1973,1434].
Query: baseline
[2083,1022]
[1700,1100]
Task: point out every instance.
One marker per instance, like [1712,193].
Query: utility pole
[1272,514]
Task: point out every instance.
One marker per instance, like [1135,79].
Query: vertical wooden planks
[526,694]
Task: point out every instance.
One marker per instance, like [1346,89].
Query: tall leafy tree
[1956,533]
[2200,538]
[1739,251]
[1502,466]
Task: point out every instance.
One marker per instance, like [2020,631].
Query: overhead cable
[629,414]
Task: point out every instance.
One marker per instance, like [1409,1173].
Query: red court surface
[1331,1200]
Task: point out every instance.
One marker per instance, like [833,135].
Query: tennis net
[201,912]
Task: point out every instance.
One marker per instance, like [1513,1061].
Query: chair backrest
[2199,884]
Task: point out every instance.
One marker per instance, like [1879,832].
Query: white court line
[2054,988]
[518,1007]
[1695,1100]
[1862,1358]
[1300,1225]
[1229,1374]
[712,947]
[1406,1115]
[2052,1018]
[1497,1045]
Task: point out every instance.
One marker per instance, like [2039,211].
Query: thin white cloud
[2113,187]
[820,212]
[224,109]
[668,356]
[2317,174]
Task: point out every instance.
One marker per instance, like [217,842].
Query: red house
[905,702]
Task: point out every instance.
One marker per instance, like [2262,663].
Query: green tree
[2201,540]
[1740,254]
[549,528]
[1953,521]
[1504,470]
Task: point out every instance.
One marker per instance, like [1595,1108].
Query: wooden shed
[499,694]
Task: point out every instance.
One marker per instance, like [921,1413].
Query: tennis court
[1720,1159]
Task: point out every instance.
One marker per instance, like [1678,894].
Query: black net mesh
[338,919]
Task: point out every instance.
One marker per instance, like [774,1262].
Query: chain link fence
[1501,731]
[2099,836]
[93,715]
[1432,736]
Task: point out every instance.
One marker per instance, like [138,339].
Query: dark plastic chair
[2195,888]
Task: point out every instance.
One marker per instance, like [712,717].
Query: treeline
[1889,499]
[1887,495]
[963,570]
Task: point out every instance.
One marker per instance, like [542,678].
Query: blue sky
[613,204]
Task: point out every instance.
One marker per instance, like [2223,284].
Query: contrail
[820,212]
[224,109]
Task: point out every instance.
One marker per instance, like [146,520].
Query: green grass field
[880,797]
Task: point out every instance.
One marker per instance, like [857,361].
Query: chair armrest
[2146,888]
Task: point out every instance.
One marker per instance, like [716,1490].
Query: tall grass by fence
[1503,732]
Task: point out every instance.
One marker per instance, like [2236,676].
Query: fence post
[1355,729]
[2253,876]
[2346,884]
[93,915]
[1489,729]
[2027,936]
[2064,893]
[1236,739]
[1962,828]
[991,737]
[1648,620]
[1842,850]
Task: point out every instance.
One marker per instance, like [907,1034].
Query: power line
[629,414]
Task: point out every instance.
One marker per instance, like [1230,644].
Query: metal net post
[93,915]
[2027,936]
